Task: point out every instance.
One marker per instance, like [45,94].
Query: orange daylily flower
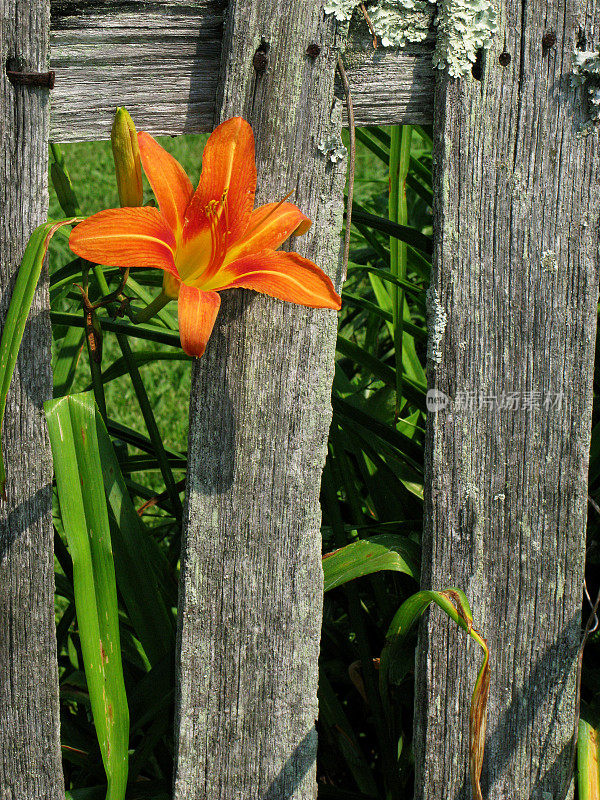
[208,240]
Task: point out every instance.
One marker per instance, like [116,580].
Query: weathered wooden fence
[259,420]
[514,296]
[513,312]
[30,764]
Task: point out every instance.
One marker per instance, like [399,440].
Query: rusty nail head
[548,41]
[261,59]
[31,78]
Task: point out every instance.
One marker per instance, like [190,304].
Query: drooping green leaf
[72,430]
[455,604]
[588,759]
[18,311]
[376,554]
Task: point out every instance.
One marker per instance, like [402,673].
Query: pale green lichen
[586,73]
[549,262]
[463,26]
[341,9]
[437,320]
[332,148]
[397,22]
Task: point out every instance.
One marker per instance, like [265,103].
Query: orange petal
[228,169]
[126,237]
[197,314]
[170,184]
[268,228]
[287,276]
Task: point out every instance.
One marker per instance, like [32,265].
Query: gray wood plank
[160,59]
[251,587]
[390,86]
[515,288]
[30,763]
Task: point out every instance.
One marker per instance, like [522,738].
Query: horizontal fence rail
[161,60]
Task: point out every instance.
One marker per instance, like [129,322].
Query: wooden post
[251,586]
[513,319]
[30,764]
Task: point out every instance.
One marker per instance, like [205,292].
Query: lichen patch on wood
[395,22]
[464,27]
[586,73]
[436,324]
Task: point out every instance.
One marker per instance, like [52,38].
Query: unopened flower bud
[126,154]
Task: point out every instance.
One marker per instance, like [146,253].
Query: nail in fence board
[514,302]
[251,587]
[161,60]
[30,764]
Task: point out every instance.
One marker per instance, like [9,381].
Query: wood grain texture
[516,273]
[251,588]
[30,764]
[389,86]
[160,59]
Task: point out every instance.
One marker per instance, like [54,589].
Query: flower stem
[144,402]
[399,162]
[159,302]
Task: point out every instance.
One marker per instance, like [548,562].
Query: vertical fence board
[514,301]
[251,587]
[30,765]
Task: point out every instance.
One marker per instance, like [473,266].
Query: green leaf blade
[72,431]
[367,556]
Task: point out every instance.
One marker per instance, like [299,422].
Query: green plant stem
[95,361]
[146,314]
[97,384]
[399,163]
[150,333]
[146,409]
